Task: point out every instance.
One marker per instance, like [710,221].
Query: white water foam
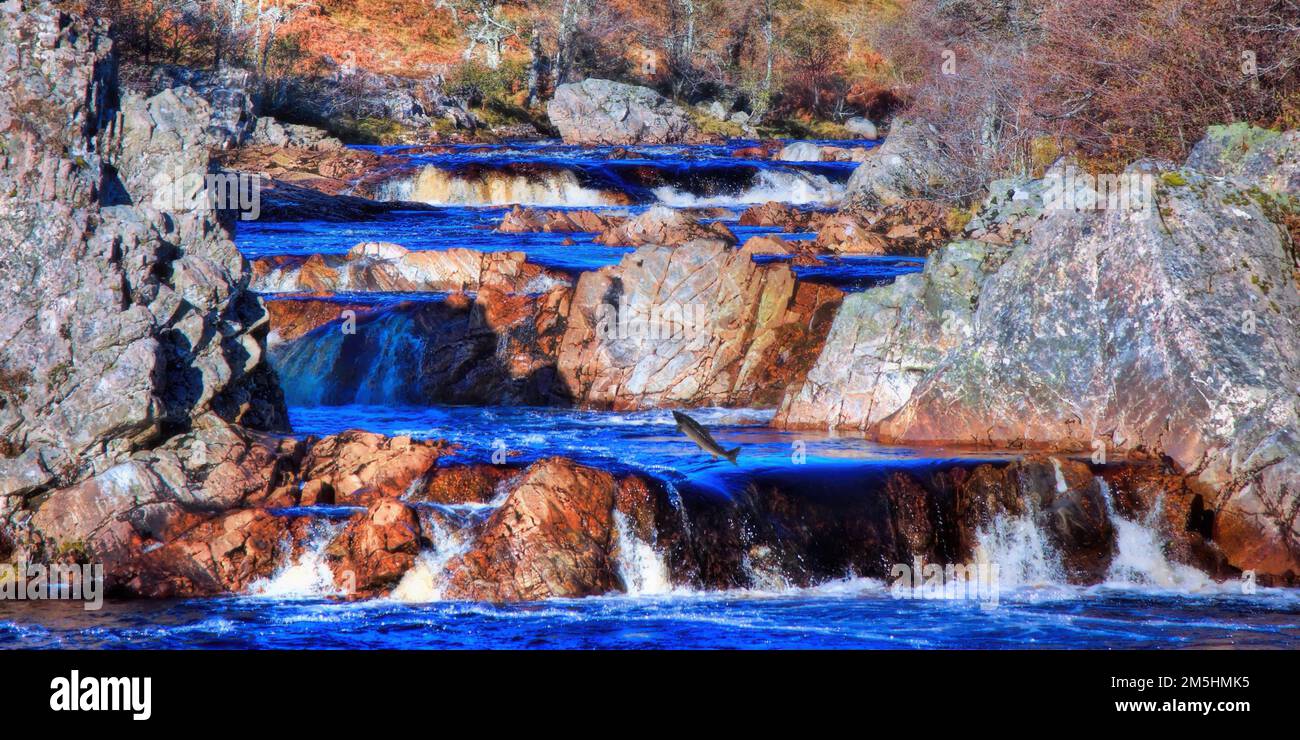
[642,569]
[1140,554]
[436,186]
[424,582]
[307,577]
[786,186]
[1020,550]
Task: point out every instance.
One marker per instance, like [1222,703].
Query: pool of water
[845,615]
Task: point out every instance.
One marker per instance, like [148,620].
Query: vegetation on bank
[1006,85]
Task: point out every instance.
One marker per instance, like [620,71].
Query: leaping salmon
[700,436]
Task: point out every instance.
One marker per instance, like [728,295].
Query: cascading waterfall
[1020,550]
[374,366]
[1139,554]
[640,566]
[786,185]
[309,576]
[438,186]
[423,583]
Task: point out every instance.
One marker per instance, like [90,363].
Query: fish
[700,436]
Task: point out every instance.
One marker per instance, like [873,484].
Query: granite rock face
[885,340]
[695,325]
[128,315]
[597,111]
[909,164]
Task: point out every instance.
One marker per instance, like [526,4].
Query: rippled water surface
[849,615]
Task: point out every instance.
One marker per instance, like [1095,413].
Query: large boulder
[597,111]
[885,340]
[1167,330]
[909,164]
[695,325]
[556,535]
[128,314]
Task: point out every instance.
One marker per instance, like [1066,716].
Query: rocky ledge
[1166,331]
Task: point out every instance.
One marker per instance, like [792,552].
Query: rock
[386,267]
[224,554]
[696,325]
[1101,330]
[555,536]
[885,340]
[909,164]
[463,484]
[127,315]
[845,154]
[292,318]
[848,234]
[663,226]
[800,151]
[361,467]
[1012,208]
[226,91]
[492,348]
[522,220]
[791,218]
[766,245]
[597,111]
[270,132]
[1250,157]
[376,549]
[911,228]
[862,127]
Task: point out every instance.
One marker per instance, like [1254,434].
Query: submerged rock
[597,111]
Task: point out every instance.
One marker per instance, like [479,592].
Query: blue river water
[1145,602]
[850,615]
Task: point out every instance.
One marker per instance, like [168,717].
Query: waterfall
[1140,553]
[640,566]
[424,582]
[1020,550]
[438,186]
[309,576]
[788,186]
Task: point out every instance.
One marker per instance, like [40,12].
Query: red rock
[664,226]
[551,538]
[291,319]
[525,220]
[788,217]
[362,466]
[376,548]
[460,484]
[221,555]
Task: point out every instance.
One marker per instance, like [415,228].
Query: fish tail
[731,455]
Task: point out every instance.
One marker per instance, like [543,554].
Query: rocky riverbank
[1144,360]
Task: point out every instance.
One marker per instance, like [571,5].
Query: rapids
[333,385]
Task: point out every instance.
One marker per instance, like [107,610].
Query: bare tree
[482,23]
